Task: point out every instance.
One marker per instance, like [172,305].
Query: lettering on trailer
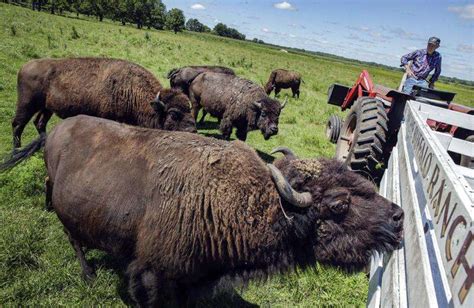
[443,209]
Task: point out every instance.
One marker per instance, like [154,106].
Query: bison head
[173,110]
[343,216]
[267,117]
[269,86]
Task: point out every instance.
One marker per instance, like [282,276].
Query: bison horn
[157,104]
[258,105]
[301,200]
[286,151]
[284,103]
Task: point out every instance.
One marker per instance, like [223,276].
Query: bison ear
[337,200]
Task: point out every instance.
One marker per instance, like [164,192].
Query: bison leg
[142,285]
[241,134]
[49,192]
[22,117]
[41,120]
[296,91]
[204,113]
[277,91]
[87,271]
[226,128]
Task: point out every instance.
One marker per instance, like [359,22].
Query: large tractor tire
[467,161]
[363,137]
[333,128]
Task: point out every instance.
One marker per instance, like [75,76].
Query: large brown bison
[107,88]
[283,79]
[182,77]
[236,102]
[185,223]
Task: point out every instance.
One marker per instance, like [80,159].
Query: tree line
[142,13]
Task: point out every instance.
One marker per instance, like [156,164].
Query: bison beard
[185,223]
[107,88]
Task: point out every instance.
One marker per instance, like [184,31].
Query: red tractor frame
[369,132]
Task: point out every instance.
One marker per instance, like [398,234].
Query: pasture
[37,263]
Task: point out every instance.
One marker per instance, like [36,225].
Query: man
[423,62]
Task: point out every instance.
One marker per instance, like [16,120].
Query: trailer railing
[434,267]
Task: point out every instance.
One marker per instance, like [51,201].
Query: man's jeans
[410,82]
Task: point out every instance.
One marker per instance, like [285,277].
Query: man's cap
[434,40]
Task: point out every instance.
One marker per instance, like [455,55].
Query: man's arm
[436,74]
[404,62]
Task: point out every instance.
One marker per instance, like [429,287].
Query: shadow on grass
[208,125]
[228,298]
[119,266]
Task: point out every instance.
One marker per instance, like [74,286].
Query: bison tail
[20,155]
[302,81]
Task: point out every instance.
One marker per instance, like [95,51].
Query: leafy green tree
[222,30]
[195,25]
[175,20]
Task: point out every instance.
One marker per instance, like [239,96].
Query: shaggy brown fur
[182,77]
[236,102]
[186,223]
[108,88]
[284,79]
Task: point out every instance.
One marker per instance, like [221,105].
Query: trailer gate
[434,267]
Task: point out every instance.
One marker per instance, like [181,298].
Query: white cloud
[465,48]
[292,35]
[284,6]
[265,30]
[198,6]
[465,12]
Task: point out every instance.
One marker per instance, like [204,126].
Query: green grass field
[37,264]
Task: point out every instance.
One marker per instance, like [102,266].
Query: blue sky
[379,31]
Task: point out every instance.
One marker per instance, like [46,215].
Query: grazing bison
[236,102]
[182,77]
[188,223]
[107,88]
[284,79]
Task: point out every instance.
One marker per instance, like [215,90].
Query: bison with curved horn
[187,225]
[284,79]
[236,102]
[114,89]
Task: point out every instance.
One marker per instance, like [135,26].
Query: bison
[236,102]
[283,79]
[187,224]
[114,89]
[182,77]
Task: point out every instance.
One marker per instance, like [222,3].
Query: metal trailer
[435,265]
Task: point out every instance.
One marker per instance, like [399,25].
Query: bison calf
[114,89]
[236,102]
[283,79]
[185,223]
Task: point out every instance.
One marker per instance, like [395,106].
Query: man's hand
[431,85]
[409,71]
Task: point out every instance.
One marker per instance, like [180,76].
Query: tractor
[364,140]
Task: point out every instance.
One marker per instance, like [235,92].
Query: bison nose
[397,217]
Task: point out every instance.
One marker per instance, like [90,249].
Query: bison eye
[263,114]
[175,116]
